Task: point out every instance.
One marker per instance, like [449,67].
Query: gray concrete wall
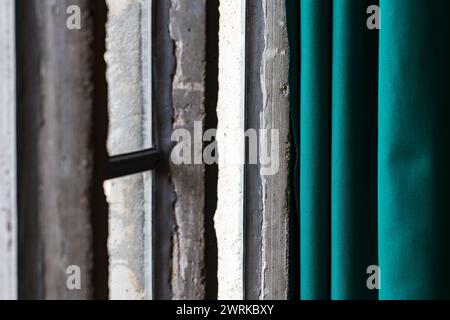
[8,198]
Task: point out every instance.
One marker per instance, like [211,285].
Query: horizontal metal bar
[132,163]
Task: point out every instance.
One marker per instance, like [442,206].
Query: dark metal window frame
[156,159]
[132,163]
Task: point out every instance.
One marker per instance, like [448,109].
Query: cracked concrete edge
[187,30]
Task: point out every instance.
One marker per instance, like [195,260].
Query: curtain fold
[315,139]
[414,149]
[353,150]
[374,149]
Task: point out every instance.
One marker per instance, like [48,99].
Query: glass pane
[129,242]
[128,59]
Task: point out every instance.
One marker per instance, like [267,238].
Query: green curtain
[373,113]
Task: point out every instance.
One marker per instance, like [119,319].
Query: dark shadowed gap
[100,210]
[211,121]
[164,195]
[30,264]
[293,23]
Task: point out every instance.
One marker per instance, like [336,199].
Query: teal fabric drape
[315,141]
[353,150]
[373,149]
[414,149]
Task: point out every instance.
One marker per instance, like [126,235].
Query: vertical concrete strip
[57,95]
[187,29]
[8,201]
[275,115]
[231,114]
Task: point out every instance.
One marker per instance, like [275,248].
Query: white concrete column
[8,200]
[231,114]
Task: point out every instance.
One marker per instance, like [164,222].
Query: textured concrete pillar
[61,90]
[8,198]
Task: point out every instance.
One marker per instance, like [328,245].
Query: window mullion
[131,163]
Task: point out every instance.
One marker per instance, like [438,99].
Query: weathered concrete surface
[56,88]
[275,115]
[128,125]
[8,198]
[230,112]
[187,29]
